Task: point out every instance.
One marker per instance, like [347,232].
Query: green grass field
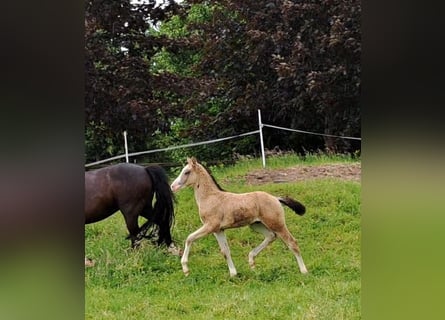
[149,284]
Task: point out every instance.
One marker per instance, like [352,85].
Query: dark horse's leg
[148,214]
[131,220]
[159,216]
[144,229]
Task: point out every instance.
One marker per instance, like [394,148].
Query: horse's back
[252,201]
[130,182]
[264,202]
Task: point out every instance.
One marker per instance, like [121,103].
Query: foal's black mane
[213,178]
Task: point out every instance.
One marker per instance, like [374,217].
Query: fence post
[260,124]
[126,146]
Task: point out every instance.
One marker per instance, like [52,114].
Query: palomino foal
[220,210]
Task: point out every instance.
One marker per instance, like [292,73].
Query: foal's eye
[187,173]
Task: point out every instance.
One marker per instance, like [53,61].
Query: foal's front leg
[201,232]
[222,241]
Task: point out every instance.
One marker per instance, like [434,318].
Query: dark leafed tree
[210,67]
[297,61]
[120,89]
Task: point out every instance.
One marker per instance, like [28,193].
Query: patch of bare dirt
[344,171]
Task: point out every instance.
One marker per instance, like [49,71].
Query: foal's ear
[192,161]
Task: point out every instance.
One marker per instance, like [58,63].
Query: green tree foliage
[200,70]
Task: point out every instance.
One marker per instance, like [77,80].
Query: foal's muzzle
[175,186]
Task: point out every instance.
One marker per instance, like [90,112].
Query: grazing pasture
[149,282]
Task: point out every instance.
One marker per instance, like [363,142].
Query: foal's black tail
[293,204]
[163,213]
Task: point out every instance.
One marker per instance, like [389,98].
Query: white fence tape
[173,148]
[308,132]
[261,125]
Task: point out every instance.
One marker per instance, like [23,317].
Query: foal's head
[190,175]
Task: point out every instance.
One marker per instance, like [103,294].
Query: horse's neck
[205,187]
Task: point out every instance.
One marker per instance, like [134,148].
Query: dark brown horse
[130,188]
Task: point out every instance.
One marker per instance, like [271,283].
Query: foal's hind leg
[222,241]
[269,237]
[290,241]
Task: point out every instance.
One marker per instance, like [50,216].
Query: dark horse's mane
[213,178]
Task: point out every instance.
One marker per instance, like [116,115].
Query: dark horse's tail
[293,204]
[163,211]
